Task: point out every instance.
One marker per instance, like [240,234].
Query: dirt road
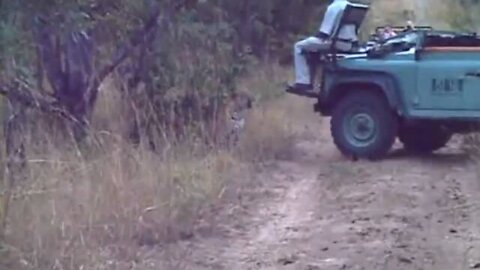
[320,211]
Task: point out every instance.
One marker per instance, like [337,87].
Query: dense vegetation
[184,54]
[66,47]
[461,15]
[194,31]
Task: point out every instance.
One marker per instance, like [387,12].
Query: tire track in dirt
[285,218]
[321,211]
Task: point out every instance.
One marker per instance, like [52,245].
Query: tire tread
[388,126]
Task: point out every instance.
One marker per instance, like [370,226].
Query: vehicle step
[310,94]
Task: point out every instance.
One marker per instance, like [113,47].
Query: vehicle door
[449,79]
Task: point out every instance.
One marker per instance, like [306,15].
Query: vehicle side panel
[339,82]
[436,85]
[395,75]
[449,81]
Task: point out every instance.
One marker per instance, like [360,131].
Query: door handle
[473,74]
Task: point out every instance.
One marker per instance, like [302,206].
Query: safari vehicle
[421,86]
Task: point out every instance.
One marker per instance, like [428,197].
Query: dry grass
[267,82]
[274,127]
[276,121]
[75,207]
[85,206]
[269,134]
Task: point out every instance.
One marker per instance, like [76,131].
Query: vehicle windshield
[434,38]
[400,43]
[407,37]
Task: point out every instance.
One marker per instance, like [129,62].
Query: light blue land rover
[421,86]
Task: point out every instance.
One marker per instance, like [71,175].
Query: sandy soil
[318,210]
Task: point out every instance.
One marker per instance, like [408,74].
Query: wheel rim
[360,128]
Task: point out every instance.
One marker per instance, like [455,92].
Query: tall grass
[85,206]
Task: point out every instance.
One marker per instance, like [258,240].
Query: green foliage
[461,14]
[201,47]
[208,44]
[205,45]
[234,28]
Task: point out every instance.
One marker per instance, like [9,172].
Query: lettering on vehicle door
[447,87]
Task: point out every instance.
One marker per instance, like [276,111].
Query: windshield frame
[402,42]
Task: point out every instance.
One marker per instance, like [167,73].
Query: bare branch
[124,52]
[29,98]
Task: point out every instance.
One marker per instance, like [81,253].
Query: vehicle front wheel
[363,125]
[424,138]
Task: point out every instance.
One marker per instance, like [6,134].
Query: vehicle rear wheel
[424,138]
[363,125]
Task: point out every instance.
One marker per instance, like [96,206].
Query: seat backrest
[354,14]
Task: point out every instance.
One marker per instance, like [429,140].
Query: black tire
[424,138]
[360,111]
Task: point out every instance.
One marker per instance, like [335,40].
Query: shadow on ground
[440,157]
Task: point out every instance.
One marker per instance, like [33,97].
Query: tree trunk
[68,64]
[15,169]
[68,61]
[69,67]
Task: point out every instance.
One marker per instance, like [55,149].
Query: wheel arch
[343,84]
